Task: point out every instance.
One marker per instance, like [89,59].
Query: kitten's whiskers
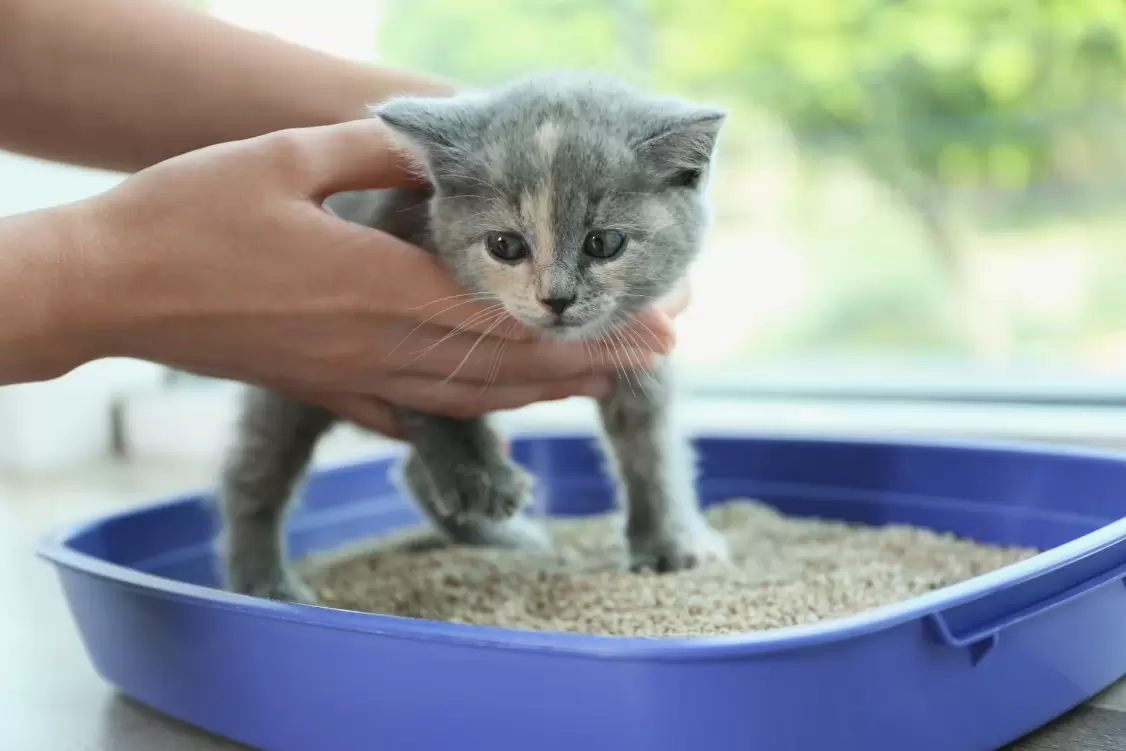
[496,321]
[495,370]
[636,339]
[478,295]
[641,340]
[656,339]
[431,318]
[479,317]
[619,363]
[633,364]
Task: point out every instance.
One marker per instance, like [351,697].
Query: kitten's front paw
[493,493]
[522,533]
[284,586]
[676,549]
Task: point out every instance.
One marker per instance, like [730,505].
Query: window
[936,185]
[915,199]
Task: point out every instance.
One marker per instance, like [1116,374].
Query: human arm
[125,84]
[224,262]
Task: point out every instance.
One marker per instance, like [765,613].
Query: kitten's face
[572,202]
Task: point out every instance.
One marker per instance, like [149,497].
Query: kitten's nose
[557,304]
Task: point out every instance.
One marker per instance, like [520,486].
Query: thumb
[356,155]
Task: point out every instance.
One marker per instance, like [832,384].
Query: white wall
[345,28]
[50,426]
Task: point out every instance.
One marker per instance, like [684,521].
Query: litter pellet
[783,571]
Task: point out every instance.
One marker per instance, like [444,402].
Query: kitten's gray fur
[552,157]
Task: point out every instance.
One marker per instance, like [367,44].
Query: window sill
[193,424]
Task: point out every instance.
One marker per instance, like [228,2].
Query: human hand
[493,372]
[224,262]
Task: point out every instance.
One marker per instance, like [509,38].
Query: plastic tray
[968,667]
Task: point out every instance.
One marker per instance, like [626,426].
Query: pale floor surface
[52,700]
[50,697]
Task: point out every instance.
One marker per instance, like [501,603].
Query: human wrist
[48,295]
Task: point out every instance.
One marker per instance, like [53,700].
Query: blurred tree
[489,41]
[963,107]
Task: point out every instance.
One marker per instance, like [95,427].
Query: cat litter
[784,571]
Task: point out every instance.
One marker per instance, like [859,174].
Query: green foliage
[488,41]
[955,93]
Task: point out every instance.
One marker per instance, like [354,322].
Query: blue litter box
[966,668]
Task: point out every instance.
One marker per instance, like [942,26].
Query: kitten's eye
[688,178]
[506,246]
[604,244]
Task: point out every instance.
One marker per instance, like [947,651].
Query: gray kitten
[572,200]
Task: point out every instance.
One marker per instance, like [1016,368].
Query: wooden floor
[51,699]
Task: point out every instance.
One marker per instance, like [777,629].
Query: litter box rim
[57,549]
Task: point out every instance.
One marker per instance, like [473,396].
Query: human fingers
[432,297]
[677,302]
[414,286]
[356,155]
[651,329]
[466,399]
[462,311]
[437,352]
[368,412]
[654,327]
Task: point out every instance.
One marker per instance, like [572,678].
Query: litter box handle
[977,624]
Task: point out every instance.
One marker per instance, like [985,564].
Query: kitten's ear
[681,144]
[432,128]
[426,122]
